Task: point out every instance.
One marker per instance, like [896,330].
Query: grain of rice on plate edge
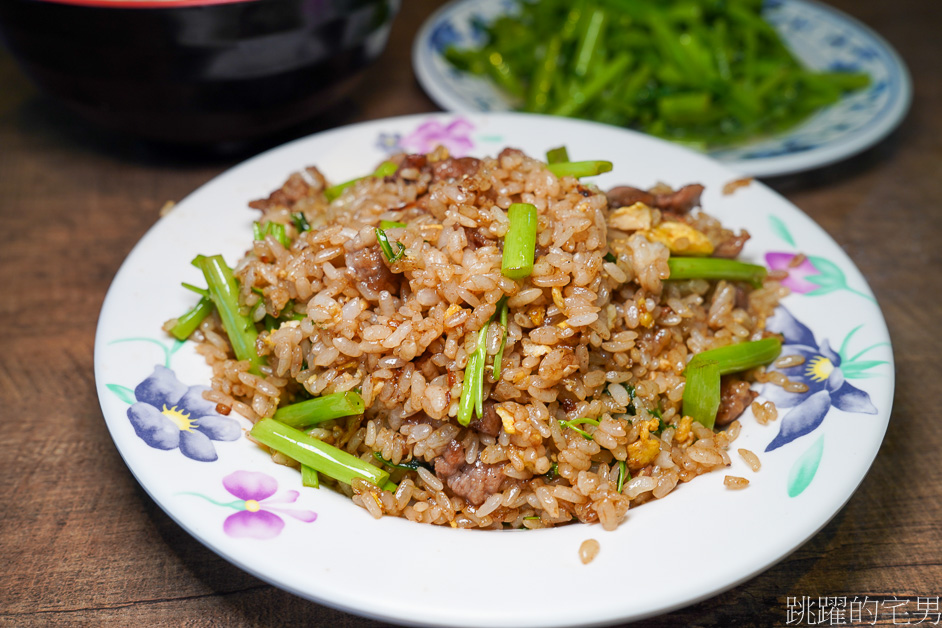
[463,396]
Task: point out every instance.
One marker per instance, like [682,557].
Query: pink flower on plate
[454,136]
[798,274]
[256,518]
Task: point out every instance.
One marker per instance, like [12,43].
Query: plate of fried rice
[493,369]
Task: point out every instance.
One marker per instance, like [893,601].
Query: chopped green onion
[701,397]
[742,356]
[304,414]
[610,257]
[387,248]
[224,291]
[203,292]
[520,241]
[385,169]
[579,169]
[391,224]
[574,422]
[274,229]
[557,155]
[503,308]
[412,465]
[623,475]
[715,268]
[300,222]
[553,473]
[472,388]
[188,323]
[309,477]
[323,458]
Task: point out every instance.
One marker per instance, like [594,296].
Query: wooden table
[82,544]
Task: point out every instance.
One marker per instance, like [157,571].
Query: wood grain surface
[82,544]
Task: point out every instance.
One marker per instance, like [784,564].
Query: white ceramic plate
[820,36]
[317,544]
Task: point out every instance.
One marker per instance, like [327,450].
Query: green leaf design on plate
[804,469]
[778,226]
[124,393]
[830,278]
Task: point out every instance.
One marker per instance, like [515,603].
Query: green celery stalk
[310,412]
[188,323]
[224,291]
[557,155]
[309,477]
[701,397]
[319,456]
[520,241]
[579,169]
[385,169]
[742,356]
[715,268]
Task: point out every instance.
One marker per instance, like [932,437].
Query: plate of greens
[767,88]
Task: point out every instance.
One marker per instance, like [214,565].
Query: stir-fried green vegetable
[703,72]
[623,474]
[472,388]
[701,398]
[574,422]
[224,292]
[188,323]
[742,356]
[304,414]
[579,169]
[310,477]
[385,169]
[319,456]
[520,241]
[386,247]
[716,268]
[274,229]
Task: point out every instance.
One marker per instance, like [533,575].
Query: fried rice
[597,330]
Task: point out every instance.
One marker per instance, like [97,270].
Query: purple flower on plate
[454,136]
[825,373]
[256,518]
[168,414]
[798,274]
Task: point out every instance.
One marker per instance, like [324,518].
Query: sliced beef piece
[490,423]
[735,397]
[418,162]
[476,482]
[370,270]
[449,462]
[455,169]
[679,201]
[300,185]
[731,247]
[475,238]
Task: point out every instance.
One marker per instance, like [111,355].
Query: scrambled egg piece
[684,432]
[507,419]
[681,238]
[635,217]
[643,451]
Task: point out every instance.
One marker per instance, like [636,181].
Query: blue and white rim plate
[227,493]
[820,36]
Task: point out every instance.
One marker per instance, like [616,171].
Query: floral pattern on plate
[257,506]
